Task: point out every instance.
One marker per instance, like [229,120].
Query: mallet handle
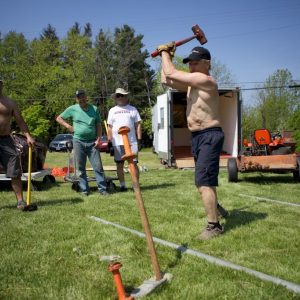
[178,43]
[28,198]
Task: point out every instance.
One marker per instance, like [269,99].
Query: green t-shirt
[84,122]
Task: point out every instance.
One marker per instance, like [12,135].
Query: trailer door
[163,125]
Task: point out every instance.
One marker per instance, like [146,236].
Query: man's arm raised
[185,79]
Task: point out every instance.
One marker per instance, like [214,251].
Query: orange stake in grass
[129,156]
[114,268]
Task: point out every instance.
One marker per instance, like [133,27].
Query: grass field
[53,253]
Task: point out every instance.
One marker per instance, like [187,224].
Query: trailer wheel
[232,170]
[296,173]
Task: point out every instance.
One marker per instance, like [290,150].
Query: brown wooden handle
[178,43]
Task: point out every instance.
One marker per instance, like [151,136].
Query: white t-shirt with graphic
[119,116]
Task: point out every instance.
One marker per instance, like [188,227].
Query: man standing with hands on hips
[123,114]
[204,123]
[87,129]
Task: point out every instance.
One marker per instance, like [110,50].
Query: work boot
[210,232]
[222,212]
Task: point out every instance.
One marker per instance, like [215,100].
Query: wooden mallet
[198,34]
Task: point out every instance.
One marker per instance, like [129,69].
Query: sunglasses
[120,95]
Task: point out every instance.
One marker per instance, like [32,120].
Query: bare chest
[5,109]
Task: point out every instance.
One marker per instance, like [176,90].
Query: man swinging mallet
[204,123]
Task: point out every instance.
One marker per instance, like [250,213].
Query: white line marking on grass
[289,285]
[270,200]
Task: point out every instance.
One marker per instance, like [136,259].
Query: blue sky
[252,38]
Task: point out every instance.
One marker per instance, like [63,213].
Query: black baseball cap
[197,53]
[80,92]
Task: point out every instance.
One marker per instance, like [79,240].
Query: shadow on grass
[240,217]
[75,200]
[264,180]
[178,255]
[142,186]
[46,203]
[157,186]
[5,185]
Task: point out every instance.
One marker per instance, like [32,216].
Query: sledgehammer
[29,206]
[198,34]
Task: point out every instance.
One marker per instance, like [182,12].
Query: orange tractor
[266,153]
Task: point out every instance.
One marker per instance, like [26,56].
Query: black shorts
[206,148]
[9,157]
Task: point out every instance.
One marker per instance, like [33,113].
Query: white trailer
[171,137]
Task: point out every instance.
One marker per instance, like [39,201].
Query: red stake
[114,268]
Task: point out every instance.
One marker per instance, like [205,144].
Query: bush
[36,118]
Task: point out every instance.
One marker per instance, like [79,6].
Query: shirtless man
[9,157]
[204,123]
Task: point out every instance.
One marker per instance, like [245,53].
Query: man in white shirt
[123,114]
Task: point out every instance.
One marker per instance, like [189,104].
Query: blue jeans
[82,150]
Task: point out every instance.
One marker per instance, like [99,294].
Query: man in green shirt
[87,130]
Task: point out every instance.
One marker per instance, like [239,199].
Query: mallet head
[30,207]
[200,36]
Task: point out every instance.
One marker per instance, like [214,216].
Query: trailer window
[162,118]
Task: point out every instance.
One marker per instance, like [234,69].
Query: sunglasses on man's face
[120,95]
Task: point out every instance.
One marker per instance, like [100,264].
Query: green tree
[129,67]
[37,120]
[277,106]
[222,74]
[294,121]
[15,65]
[276,103]
[103,65]
[48,70]
[250,121]
[78,60]
[75,29]
[88,30]
[146,115]
[49,33]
